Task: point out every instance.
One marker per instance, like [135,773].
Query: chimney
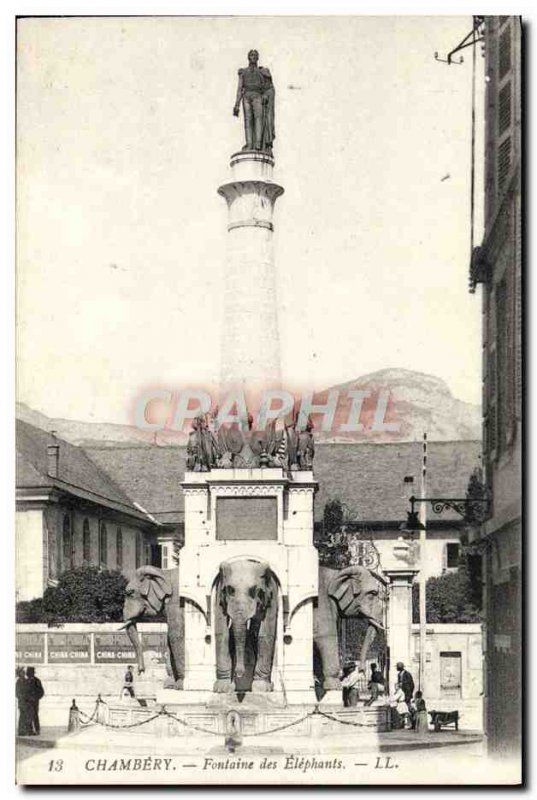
[53,457]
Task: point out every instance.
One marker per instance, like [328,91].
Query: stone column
[250,344]
[399,619]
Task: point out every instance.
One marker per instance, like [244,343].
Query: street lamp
[412,523]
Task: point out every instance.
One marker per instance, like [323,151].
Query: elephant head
[145,596]
[356,591]
[245,592]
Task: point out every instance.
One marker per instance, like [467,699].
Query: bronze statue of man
[256,91]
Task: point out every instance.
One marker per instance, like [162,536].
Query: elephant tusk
[229,622]
[126,625]
[248,621]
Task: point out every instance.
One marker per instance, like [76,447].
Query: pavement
[97,737]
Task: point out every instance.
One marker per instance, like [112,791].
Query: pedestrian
[400,715]
[375,685]
[21,693]
[405,681]
[351,678]
[128,682]
[35,693]
[421,723]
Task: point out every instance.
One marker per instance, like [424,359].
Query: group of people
[29,691]
[408,709]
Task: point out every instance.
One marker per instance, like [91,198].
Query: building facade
[70,513]
[497,265]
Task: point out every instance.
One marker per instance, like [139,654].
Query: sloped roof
[150,474]
[78,473]
[367,477]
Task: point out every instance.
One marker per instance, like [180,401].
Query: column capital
[401,576]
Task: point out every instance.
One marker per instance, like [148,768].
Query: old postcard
[269,425]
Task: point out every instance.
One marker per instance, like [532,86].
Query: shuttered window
[501,362]
[138,553]
[504,109]
[119,549]
[86,542]
[518,316]
[504,53]
[490,428]
[67,543]
[103,545]
[504,162]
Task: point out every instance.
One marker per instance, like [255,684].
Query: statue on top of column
[256,91]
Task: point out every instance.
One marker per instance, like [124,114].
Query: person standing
[21,693]
[128,682]
[405,681]
[400,712]
[421,722]
[375,685]
[349,684]
[35,693]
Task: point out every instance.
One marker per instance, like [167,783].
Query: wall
[503,382]
[75,672]
[30,554]
[442,688]
[435,548]
[39,551]
[85,679]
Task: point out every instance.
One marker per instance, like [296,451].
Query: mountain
[104,433]
[417,403]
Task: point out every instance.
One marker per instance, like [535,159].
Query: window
[138,556]
[119,549]
[504,53]
[86,542]
[67,543]
[504,162]
[504,109]
[103,545]
[452,555]
[165,556]
[501,361]
[148,554]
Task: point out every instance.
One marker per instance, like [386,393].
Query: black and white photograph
[269,400]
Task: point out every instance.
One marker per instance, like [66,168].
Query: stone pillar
[399,619]
[250,344]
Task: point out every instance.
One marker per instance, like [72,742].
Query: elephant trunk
[240,627]
[132,633]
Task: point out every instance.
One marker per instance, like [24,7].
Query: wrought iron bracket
[471,39]
[458,504]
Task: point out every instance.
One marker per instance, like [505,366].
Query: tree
[83,594]
[449,598]
[333,516]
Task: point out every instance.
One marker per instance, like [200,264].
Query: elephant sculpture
[351,592]
[151,591]
[246,611]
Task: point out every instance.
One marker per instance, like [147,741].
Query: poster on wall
[30,648]
[69,648]
[113,648]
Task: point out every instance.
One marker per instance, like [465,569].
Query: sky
[124,132]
